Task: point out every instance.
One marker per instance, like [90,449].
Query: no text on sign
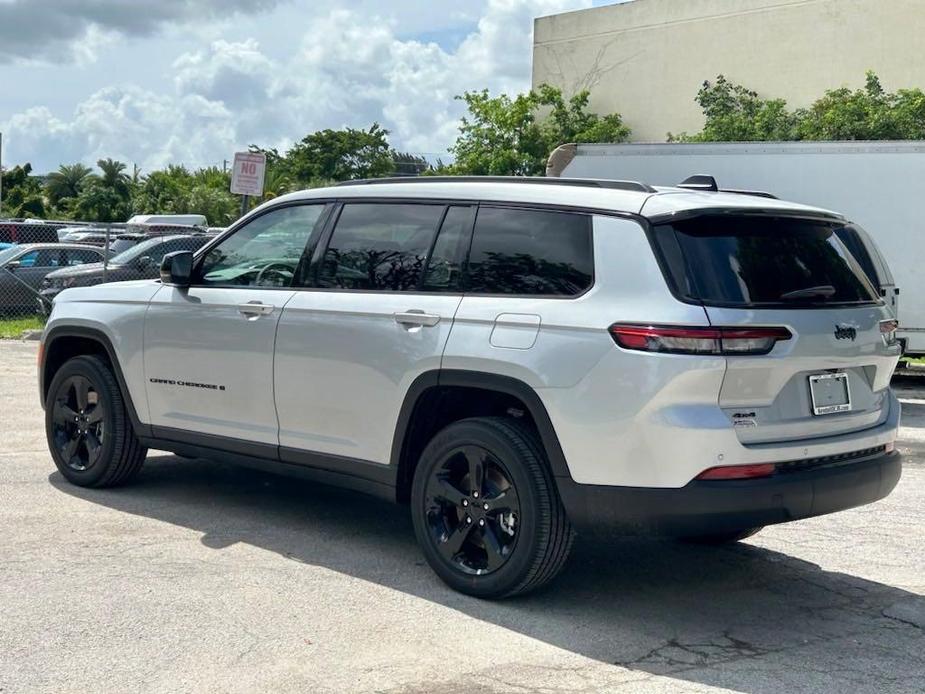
[248,172]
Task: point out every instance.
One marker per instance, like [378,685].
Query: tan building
[646,59]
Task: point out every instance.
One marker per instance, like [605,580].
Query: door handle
[253,309]
[414,317]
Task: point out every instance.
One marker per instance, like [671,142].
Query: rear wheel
[722,538]
[87,426]
[486,511]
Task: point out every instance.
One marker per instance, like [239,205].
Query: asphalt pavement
[202,577]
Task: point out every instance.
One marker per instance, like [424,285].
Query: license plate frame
[825,389]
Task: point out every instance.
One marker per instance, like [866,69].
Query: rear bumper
[704,507]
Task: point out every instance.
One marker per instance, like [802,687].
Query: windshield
[140,251]
[762,261]
[9,253]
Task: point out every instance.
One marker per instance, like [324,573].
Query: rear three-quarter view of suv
[515,359]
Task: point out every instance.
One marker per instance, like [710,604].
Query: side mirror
[13,265]
[177,268]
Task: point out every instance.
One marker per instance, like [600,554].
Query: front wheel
[486,511]
[89,432]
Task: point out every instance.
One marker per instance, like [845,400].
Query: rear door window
[762,261]
[380,246]
[530,253]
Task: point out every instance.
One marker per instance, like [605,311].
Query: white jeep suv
[511,357]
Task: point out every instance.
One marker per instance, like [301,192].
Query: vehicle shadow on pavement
[740,617]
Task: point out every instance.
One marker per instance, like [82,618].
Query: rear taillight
[888,330]
[738,472]
[698,340]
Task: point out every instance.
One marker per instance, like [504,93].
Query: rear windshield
[762,261]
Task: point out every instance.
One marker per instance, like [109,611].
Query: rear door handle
[414,317]
[253,309]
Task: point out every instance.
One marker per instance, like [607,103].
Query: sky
[152,82]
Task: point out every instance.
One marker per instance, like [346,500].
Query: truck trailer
[878,186]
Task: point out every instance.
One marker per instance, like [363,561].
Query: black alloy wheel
[87,424]
[472,510]
[486,509]
[79,427]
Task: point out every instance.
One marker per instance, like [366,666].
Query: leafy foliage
[22,193]
[737,114]
[66,182]
[340,155]
[504,136]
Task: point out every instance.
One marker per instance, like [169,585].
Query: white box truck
[878,186]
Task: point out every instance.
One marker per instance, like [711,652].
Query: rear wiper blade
[825,291]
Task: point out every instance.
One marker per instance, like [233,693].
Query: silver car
[512,358]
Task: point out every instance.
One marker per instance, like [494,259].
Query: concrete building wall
[647,58]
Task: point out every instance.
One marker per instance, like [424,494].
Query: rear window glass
[762,261]
[530,252]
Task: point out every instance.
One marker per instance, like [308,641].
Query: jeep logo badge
[845,332]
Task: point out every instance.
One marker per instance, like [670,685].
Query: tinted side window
[80,256]
[530,252]
[444,269]
[379,246]
[263,253]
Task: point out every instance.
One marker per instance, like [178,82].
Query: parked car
[24,266]
[189,220]
[93,237]
[28,231]
[140,261]
[511,357]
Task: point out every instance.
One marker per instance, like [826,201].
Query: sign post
[247,176]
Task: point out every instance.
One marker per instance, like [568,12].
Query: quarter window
[379,246]
[530,252]
[264,253]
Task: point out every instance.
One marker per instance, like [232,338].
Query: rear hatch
[832,375]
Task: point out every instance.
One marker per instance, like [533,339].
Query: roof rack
[707,183]
[577,182]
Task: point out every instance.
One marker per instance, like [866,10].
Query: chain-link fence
[39,260]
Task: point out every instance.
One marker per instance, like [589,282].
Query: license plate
[830,393]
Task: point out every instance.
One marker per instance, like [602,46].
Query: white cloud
[348,70]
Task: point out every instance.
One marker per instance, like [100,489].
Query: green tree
[508,136]
[734,113]
[176,190]
[63,186]
[340,155]
[870,113]
[98,202]
[737,114]
[114,176]
[22,193]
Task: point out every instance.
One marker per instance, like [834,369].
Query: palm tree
[114,175]
[66,182]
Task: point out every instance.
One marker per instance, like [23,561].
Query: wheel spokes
[452,543]
[442,490]
[63,414]
[494,552]
[93,447]
[475,458]
[70,448]
[95,415]
[82,393]
[505,502]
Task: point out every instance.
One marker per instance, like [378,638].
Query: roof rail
[707,183]
[756,193]
[577,182]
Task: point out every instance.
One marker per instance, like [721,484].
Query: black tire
[89,432]
[514,546]
[726,538]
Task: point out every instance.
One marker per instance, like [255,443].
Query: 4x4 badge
[845,332]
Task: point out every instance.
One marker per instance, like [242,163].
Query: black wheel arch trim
[103,340]
[486,381]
